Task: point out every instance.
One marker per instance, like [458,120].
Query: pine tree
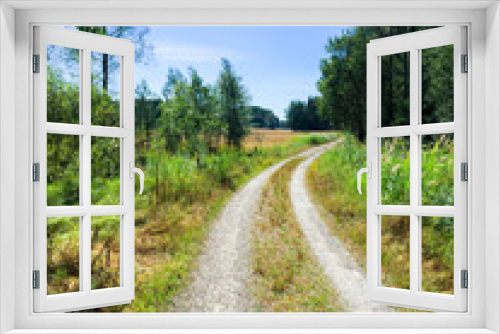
[233,104]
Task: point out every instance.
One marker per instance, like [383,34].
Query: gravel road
[221,279]
[346,276]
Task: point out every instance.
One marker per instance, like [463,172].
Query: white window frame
[414,43]
[86,43]
[484,102]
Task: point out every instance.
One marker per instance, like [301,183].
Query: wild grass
[182,195]
[332,181]
[286,275]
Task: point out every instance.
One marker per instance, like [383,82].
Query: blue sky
[277,64]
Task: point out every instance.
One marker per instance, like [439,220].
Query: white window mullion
[420,129]
[460,155]
[422,211]
[373,187]
[85,181]
[82,221]
[127,274]
[40,156]
[414,172]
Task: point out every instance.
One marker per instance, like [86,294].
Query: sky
[276,64]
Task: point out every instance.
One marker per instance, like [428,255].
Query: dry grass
[265,138]
[167,245]
[286,275]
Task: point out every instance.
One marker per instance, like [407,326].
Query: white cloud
[177,54]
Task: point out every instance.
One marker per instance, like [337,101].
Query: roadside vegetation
[286,275]
[172,220]
[332,181]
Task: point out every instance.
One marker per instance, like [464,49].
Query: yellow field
[266,138]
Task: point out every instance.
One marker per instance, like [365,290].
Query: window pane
[63,84]
[395,85]
[437,84]
[437,170]
[437,254]
[63,169]
[105,89]
[395,251]
[395,171]
[105,171]
[63,255]
[105,252]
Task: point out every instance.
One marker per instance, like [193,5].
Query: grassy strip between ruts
[286,275]
[170,234]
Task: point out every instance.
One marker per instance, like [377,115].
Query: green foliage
[105,167]
[185,179]
[395,171]
[233,101]
[63,98]
[305,115]
[437,165]
[190,120]
[437,84]
[105,110]
[146,110]
[263,118]
[343,80]
[317,139]
[63,170]
[63,150]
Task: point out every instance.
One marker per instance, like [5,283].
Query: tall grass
[332,181]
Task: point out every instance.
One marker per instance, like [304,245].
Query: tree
[145,113]
[263,118]
[233,103]
[173,115]
[295,115]
[174,75]
[135,34]
[305,115]
[343,80]
[203,105]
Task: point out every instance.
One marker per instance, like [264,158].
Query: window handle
[368,171]
[138,171]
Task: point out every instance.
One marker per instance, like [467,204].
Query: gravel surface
[346,276]
[220,281]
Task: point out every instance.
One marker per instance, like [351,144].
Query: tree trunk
[105,66]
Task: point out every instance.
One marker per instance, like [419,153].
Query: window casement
[416,208]
[83,215]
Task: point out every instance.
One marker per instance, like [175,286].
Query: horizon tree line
[193,116]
